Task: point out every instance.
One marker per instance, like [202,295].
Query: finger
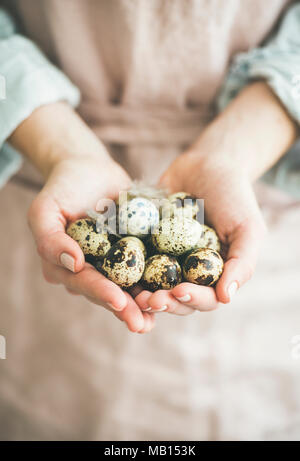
[199,297]
[142,300]
[149,320]
[244,246]
[90,283]
[72,292]
[136,321]
[131,319]
[48,227]
[132,316]
[48,274]
[163,301]
[158,305]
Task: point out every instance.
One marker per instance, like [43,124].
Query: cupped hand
[74,186]
[231,208]
[236,148]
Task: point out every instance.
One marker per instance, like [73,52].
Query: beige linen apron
[149,72]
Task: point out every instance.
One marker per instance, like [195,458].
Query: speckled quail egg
[93,244]
[209,239]
[162,272]
[137,217]
[203,267]
[176,236]
[136,241]
[124,263]
[180,204]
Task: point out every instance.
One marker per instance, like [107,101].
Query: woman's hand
[231,208]
[240,145]
[74,186]
[77,176]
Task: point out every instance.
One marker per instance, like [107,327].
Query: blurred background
[73,371]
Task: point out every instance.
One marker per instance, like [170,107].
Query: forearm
[251,134]
[54,133]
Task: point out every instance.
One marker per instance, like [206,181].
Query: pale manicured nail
[68,261]
[113,307]
[148,309]
[232,289]
[164,308]
[184,299]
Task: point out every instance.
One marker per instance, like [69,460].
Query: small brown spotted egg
[209,239]
[92,243]
[124,263]
[180,204]
[176,236]
[162,272]
[136,241]
[203,267]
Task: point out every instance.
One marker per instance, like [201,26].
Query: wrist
[58,154]
[217,151]
[54,134]
[250,135]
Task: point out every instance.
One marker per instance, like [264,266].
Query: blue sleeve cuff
[30,82]
[278,63]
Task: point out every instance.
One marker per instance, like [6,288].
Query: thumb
[245,243]
[47,224]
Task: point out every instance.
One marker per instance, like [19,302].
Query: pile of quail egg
[151,249]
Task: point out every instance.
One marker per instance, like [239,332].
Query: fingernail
[113,307]
[232,290]
[148,309]
[184,299]
[162,309]
[68,261]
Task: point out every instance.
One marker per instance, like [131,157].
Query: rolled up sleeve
[278,63]
[28,80]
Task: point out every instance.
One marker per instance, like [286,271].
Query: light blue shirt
[32,81]
[278,63]
[28,81]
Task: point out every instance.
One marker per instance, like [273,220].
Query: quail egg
[162,272]
[137,217]
[209,239]
[93,244]
[181,205]
[136,241]
[203,267]
[124,263]
[176,236]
